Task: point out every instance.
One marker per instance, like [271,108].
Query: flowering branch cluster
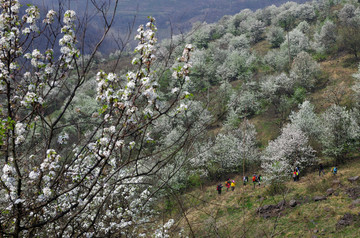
[101,182]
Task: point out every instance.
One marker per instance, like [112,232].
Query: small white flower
[174,90]
[132,145]
[36,54]
[112,129]
[46,191]
[19,201]
[49,69]
[92,146]
[33,175]
[49,17]
[104,141]
[65,50]
[7,169]
[69,16]
[62,139]
[13,66]
[182,107]
[119,143]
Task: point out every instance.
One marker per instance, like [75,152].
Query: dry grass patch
[338,87]
[261,48]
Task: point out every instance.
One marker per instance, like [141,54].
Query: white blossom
[47,191]
[63,138]
[283,154]
[49,17]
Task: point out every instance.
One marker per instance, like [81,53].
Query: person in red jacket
[254,179]
[227,184]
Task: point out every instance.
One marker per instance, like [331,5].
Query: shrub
[276,188]
[275,36]
[319,57]
[195,180]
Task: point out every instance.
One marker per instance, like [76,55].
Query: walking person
[297,173]
[227,184]
[334,170]
[321,169]
[218,188]
[233,185]
[254,179]
[259,179]
[245,180]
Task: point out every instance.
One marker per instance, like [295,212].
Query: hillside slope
[249,212]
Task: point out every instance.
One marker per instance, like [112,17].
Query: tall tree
[290,149]
[95,182]
[286,20]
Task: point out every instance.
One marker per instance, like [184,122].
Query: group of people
[257,178]
[296,171]
[333,170]
[228,184]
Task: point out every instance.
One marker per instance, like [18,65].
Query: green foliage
[195,180]
[339,132]
[299,95]
[319,56]
[287,103]
[349,39]
[164,80]
[275,36]
[276,188]
[5,126]
[170,205]
[239,65]
[286,20]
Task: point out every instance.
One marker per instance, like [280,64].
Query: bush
[275,36]
[319,57]
[276,188]
[195,180]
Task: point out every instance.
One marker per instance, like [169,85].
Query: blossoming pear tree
[290,149]
[54,183]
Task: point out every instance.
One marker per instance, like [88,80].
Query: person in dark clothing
[321,169]
[297,173]
[245,180]
[259,179]
[218,188]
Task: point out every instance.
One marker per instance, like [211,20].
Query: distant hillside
[183,13]
[170,14]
